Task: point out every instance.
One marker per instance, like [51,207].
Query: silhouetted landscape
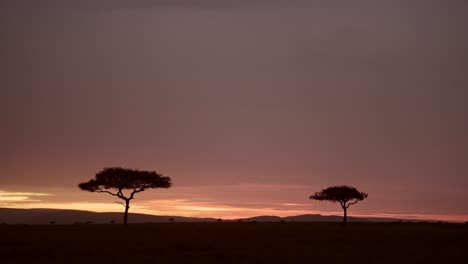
[234,242]
[67,217]
[70,236]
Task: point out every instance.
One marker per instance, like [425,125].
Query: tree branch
[136,191]
[120,195]
[104,191]
[343,204]
[355,202]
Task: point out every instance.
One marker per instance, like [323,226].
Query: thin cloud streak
[6,193]
[91,206]
[7,198]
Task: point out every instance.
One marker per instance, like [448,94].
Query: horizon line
[396,217]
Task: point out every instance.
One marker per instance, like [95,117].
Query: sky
[249,106]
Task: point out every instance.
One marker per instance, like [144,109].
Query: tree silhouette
[115,180]
[345,195]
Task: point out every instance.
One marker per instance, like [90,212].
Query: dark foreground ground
[236,243]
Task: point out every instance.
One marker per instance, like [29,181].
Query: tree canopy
[125,179]
[116,180]
[345,195]
[342,194]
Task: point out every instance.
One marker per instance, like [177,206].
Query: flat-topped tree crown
[125,179]
[340,194]
[115,180]
[345,195]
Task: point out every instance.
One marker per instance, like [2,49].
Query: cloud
[196,208]
[7,197]
[6,193]
[291,204]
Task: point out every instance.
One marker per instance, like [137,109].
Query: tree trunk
[127,206]
[345,216]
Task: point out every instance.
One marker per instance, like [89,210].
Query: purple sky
[250,106]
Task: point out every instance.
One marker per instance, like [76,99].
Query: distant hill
[263,218]
[45,216]
[335,218]
[315,218]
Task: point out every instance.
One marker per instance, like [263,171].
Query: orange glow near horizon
[182,207]
[220,212]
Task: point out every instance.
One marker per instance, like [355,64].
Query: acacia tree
[125,183]
[345,195]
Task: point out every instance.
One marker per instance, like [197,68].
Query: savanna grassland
[226,242]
